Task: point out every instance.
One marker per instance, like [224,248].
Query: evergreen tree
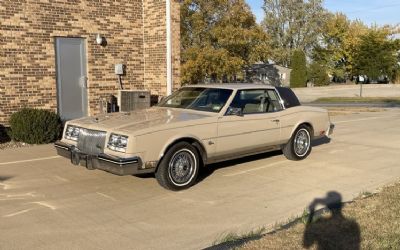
[298,75]
[317,74]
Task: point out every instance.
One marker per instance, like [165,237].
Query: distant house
[268,73]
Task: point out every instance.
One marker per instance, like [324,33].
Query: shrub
[318,75]
[35,126]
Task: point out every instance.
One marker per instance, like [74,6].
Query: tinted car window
[288,96]
[203,99]
[274,99]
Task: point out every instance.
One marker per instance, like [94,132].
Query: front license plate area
[82,159]
[75,158]
[78,158]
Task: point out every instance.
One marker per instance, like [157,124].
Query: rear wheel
[299,146]
[179,167]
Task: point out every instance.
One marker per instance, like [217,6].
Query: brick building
[50,57]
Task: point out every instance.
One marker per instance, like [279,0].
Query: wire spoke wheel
[302,142]
[182,167]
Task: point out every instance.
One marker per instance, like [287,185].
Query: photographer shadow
[334,231]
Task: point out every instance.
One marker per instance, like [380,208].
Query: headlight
[118,143]
[72,133]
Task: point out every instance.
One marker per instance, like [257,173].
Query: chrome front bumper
[111,164]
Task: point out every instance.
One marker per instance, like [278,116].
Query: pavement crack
[20,196]
[18,213]
[106,196]
[44,204]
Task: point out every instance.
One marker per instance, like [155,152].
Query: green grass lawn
[376,100]
[370,222]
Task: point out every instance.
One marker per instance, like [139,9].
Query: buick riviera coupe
[195,126]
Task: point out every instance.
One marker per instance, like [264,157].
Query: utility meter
[119,69]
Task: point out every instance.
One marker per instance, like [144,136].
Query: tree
[219,39]
[298,75]
[396,71]
[357,29]
[317,74]
[340,38]
[293,25]
[376,55]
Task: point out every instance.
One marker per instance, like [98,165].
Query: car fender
[180,137]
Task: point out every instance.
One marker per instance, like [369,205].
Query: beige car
[195,126]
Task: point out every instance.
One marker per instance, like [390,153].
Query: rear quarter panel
[292,118]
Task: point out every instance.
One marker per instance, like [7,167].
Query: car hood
[142,119]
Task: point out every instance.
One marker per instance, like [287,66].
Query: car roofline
[231,86]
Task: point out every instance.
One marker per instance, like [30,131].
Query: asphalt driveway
[46,203]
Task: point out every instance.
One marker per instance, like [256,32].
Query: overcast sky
[369,11]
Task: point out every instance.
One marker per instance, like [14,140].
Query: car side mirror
[234,111]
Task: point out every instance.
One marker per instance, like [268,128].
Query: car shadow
[321,141]
[210,169]
[144,176]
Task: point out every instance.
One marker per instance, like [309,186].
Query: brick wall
[155,45]
[176,43]
[135,34]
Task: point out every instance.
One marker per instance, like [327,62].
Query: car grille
[91,142]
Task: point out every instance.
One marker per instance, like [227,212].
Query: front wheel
[179,167]
[299,146]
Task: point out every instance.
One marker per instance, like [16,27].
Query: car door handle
[276,120]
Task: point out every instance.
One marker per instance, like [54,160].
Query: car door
[251,122]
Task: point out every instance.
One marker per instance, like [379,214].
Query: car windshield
[202,99]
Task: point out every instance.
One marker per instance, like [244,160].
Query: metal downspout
[169,48]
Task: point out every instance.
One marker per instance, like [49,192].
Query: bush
[317,75]
[35,126]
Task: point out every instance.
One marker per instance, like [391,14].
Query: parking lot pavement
[46,203]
